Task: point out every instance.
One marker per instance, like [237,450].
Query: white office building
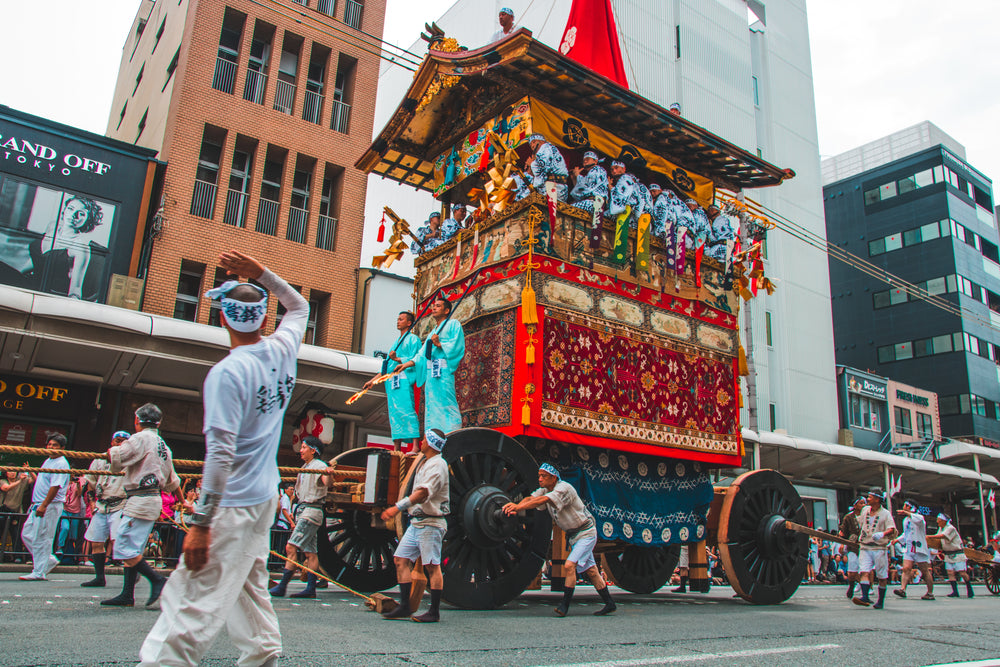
[742,69]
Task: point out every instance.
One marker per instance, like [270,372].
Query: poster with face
[54,241]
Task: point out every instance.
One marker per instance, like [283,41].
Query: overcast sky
[879,65]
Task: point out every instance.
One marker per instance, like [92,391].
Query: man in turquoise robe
[436,362]
[403,421]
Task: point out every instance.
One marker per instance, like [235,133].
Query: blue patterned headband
[536,137]
[944,517]
[434,440]
[654,186]
[617,163]
[508,11]
[241,316]
[551,469]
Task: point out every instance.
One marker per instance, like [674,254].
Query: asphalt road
[59,623]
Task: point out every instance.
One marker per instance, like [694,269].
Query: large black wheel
[764,561]
[350,549]
[642,569]
[488,558]
[991,575]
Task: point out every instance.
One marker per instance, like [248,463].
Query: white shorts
[683,561]
[582,550]
[878,561]
[957,566]
[852,562]
[423,542]
[102,526]
[916,559]
[131,537]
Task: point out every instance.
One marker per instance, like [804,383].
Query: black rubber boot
[864,600]
[432,615]
[98,581]
[683,588]
[563,607]
[954,589]
[127,597]
[609,604]
[968,589]
[850,589]
[278,590]
[881,598]
[403,610]
[309,591]
[156,581]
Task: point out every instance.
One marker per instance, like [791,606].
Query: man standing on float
[436,362]
[403,421]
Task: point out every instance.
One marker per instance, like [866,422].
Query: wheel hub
[483,517]
[773,538]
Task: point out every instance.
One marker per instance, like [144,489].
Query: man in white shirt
[109,498]
[47,500]
[877,529]
[506,25]
[427,506]
[954,555]
[310,488]
[568,512]
[915,552]
[222,579]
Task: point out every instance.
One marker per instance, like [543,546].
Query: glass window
[881,299]
[876,247]
[893,242]
[923,347]
[929,232]
[902,418]
[938,173]
[908,184]
[945,227]
[964,404]
[871,196]
[952,282]
[957,341]
[886,353]
[904,350]
[855,411]
[925,425]
[948,405]
[941,344]
[887,191]
[188,291]
[935,286]
[897,295]
[923,178]
[911,237]
[958,230]
[972,344]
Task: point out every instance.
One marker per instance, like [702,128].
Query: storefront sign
[31,152]
[912,398]
[866,387]
[15,394]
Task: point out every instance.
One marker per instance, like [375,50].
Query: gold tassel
[526,412]
[529,311]
[529,353]
[743,362]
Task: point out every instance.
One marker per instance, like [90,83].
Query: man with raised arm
[222,579]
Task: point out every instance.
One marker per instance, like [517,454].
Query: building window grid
[864,413]
[938,174]
[902,418]
[188,291]
[925,425]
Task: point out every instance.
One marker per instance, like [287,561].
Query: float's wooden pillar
[698,567]
[559,553]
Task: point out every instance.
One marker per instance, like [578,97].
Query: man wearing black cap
[915,552]
[849,530]
[427,507]
[310,489]
[877,529]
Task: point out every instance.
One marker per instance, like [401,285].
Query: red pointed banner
[591,39]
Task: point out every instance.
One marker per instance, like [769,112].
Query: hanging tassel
[475,247]
[529,310]
[526,412]
[381,230]
[529,350]
[744,369]
[458,256]
[698,254]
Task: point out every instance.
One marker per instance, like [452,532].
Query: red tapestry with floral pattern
[614,381]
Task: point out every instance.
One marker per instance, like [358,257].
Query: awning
[827,464]
[115,348]
[964,454]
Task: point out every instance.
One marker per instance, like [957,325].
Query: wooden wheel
[764,561]
[642,569]
[488,558]
[991,575]
[350,549]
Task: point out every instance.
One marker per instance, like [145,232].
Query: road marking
[699,657]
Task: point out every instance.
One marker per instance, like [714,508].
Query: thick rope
[289,560]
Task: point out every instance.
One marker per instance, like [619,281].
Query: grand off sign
[47,158]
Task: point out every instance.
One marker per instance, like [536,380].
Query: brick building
[259,109]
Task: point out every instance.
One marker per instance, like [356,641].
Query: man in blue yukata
[721,236]
[628,191]
[700,225]
[591,183]
[547,164]
[430,234]
[436,362]
[403,422]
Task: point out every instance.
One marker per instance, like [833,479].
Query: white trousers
[230,590]
[38,534]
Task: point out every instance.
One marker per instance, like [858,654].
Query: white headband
[241,316]
[434,440]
